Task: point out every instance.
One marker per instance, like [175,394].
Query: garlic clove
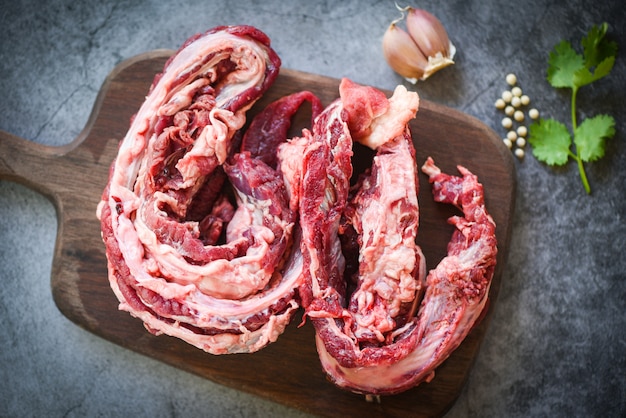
[431,38]
[403,54]
[428,33]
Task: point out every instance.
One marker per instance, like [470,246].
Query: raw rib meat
[217,236]
[186,255]
[373,339]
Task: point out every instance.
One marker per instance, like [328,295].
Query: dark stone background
[556,345]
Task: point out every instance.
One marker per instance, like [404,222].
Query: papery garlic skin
[439,61]
[434,48]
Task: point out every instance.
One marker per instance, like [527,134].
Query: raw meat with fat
[217,236]
[199,233]
[393,328]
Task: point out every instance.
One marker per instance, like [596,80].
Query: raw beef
[381,328]
[198,231]
[217,236]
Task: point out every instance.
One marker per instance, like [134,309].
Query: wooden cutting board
[288,371]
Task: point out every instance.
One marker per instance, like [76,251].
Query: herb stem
[583,175]
[579,161]
[573,108]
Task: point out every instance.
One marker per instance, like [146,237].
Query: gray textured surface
[557,341]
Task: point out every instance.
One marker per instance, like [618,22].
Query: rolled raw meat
[199,232]
[381,326]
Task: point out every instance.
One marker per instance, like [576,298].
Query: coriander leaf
[596,47]
[584,76]
[550,140]
[563,63]
[590,137]
[604,67]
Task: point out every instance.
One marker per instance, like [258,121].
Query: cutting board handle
[32,164]
[52,170]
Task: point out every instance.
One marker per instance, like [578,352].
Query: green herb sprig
[551,140]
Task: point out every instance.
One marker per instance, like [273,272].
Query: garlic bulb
[421,52]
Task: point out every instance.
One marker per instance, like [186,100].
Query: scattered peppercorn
[511,135]
[511,79]
[525,100]
[512,103]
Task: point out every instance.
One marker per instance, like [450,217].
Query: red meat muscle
[394,328]
[217,236]
[186,255]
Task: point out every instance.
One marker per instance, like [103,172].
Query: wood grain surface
[288,371]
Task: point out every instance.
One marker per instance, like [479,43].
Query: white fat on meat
[389,256]
[402,107]
[398,327]
[171,292]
